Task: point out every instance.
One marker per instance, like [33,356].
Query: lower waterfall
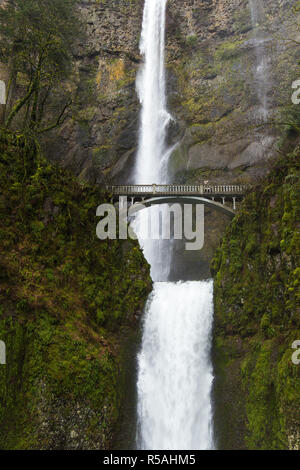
[174,368]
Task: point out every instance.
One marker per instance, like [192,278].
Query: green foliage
[191,40]
[39,35]
[64,295]
[228,50]
[262,410]
[257,305]
[290,121]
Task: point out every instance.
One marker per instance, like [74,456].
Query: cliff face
[63,300]
[230,67]
[257,317]
[101,137]
[67,303]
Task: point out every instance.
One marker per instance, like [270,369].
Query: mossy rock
[65,297]
[257,304]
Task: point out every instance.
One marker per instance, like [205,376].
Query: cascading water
[151,84]
[151,162]
[175,373]
[174,367]
[262,64]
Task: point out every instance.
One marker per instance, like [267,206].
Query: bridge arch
[138,206]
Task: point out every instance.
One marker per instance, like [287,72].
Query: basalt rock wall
[217,91]
[230,66]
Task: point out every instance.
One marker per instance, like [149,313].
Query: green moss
[256,304]
[228,49]
[64,295]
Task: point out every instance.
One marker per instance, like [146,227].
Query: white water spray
[262,63]
[152,157]
[175,373]
[174,368]
[151,84]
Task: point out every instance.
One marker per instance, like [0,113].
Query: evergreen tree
[36,45]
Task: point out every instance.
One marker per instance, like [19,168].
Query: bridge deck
[152,190]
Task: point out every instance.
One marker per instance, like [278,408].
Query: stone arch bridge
[223,198]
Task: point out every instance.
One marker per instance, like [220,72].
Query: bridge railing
[176,189]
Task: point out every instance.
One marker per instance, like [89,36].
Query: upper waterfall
[151,88]
[152,155]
